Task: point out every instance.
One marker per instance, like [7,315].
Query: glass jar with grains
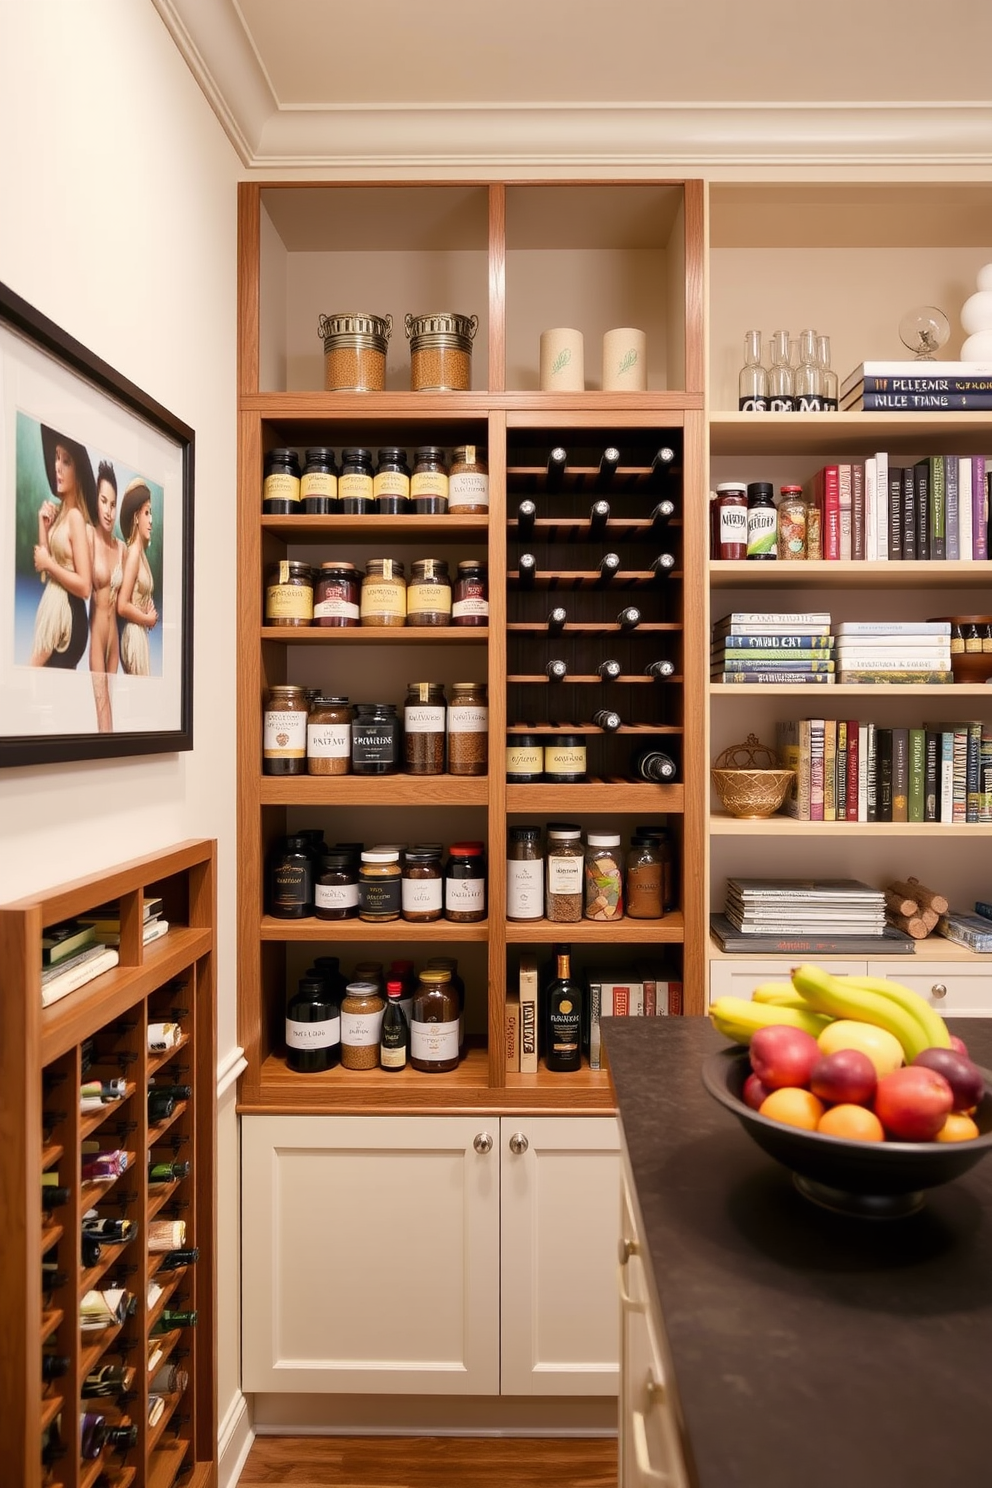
[329,737]
[603,877]
[362,1008]
[468,480]
[563,899]
[428,596]
[423,885]
[288,593]
[424,716]
[468,729]
[284,732]
[383,600]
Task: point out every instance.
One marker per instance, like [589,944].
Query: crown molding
[483,139]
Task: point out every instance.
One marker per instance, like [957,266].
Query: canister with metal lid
[441,351]
[355,351]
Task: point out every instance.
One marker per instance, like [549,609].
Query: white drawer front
[955,991]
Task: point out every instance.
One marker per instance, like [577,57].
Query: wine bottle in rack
[171,1379]
[662,566]
[556,620]
[659,670]
[95,1433]
[526,517]
[526,570]
[661,515]
[108,1381]
[655,765]
[90,1251]
[628,619]
[557,465]
[599,516]
[161,1105]
[54,1196]
[175,1260]
[170,1320]
[609,567]
[54,1366]
[662,464]
[608,462]
[609,671]
[108,1231]
[606,719]
[167,1172]
[556,670]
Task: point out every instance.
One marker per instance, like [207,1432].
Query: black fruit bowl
[879,1179]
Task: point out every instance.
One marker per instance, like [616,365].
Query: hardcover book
[883,774]
[921,501]
[790,679]
[908,514]
[979,508]
[916,775]
[900,774]
[895,511]
[830,769]
[951,502]
[910,376]
[965,535]
[844,489]
[938,508]
[931,402]
[528,1013]
[851,796]
[758,622]
[858,550]
[782,641]
[882,504]
[809,943]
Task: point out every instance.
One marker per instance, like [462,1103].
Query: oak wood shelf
[612,794]
[870,691]
[788,826]
[894,573]
[374,790]
[363,930]
[372,635]
[670,930]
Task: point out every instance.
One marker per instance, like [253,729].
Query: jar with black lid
[380,885]
[465,883]
[336,889]
[313,1026]
[429,482]
[288,593]
[423,885]
[355,482]
[281,483]
[290,879]
[470,596]
[284,731]
[524,759]
[319,483]
[565,759]
[375,739]
[428,595]
[424,717]
[391,484]
[336,595]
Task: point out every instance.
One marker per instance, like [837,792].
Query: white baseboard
[234,1438]
[432,1415]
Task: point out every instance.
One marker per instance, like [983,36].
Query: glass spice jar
[424,717]
[524,759]
[468,729]
[791,524]
[428,595]
[380,886]
[465,883]
[319,483]
[434,1024]
[288,593]
[355,482]
[375,739]
[281,483]
[383,598]
[643,882]
[336,596]
[290,880]
[429,482]
[524,875]
[603,877]
[468,481]
[336,890]
[564,898]
[362,1008]
[731,518]
[565,759]
[284,732]
[422,895]
[329,737]
[470,597]
[391,485]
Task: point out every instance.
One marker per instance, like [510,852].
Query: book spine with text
[946,775]
[973,773]
[844,504]
[871,773]
[932,402]
[931,787]
[985,775]
[900,774]
[830,769]
[781,679]
[917,775]
[965,538]
[921,499]
[840,770]
[938,508]
[895,511]
[951,503]
[787,641]
[816,769]
[871,538]
[979,508]
[858,512]
[882,504]
[862,812]
[883,774]
[958,382]
[908,514]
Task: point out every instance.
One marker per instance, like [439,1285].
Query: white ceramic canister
[625,367]
[562,361]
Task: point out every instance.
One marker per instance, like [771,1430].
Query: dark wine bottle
[609,460]
[609,567]
[89,1251]
[563,1031]
[394,1033]
[556,670]
[54,1366]
[109,1231]
[168,1321]
[662,566]
[629,619]
[527,570]
[526,517]
[662,515]
[53,1197]
[95,1433]
[599,516]
[655,765]
[556,620]
[167,1172]
[313,1027]
[160,1105]
[662,464]
[51,1277]
[607,720]
[659,670]
[178,1092]
[174,1260]
[108,1381]
[557,465]
[609,671]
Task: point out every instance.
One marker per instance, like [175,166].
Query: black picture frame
[73,434]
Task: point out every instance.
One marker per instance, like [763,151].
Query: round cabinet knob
[938,989]
[654,1390]
[518,1143]
[627,1248]
[483,1143]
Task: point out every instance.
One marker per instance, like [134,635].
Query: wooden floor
[429,1462]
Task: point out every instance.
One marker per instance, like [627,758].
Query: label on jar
[328,740]
[392,1058]
[468,488]
[762,526]
[434,1041]
[733,525]
[391,483]
[380,896]
[336,896]
[284,735]
[564,759]
[383,598]
[424,719]
[358,1030]
[323,1035]
[355,486]
[422,895]
[465,895]
[281,486]
[429,599]
[468,720]
[471,604]
[429,483]
[372,745]
[524,759]
[524,890]
[318,483]
[289,602]
[564,875]
[335,606]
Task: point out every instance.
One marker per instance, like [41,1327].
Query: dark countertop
[810,1350]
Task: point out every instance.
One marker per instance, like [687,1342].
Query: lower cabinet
[430,1254]
[956,989]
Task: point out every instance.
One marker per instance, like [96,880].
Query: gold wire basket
[749,780]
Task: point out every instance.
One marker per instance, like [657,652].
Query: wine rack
[100,1032]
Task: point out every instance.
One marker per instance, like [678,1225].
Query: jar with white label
[313,1027]
[468,729]
[525,875]
[434,1022]
[465,883]
[423,885]
[362,1008]
[468,480]
[335,893]
[564,898]
[424,720]
[329,737]
[284,732]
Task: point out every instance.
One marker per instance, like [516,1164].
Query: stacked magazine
[832,913]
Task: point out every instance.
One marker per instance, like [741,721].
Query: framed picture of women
[96,554]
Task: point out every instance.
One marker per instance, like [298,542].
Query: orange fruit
[856,1123]
[957,1128]
[793,1106]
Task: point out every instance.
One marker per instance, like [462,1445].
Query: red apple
[783,1055]
[960,1045]
[844,1078]
[965,1079]
[754,1092]
[913,1102]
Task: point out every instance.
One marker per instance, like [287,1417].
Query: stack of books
[831,913]
[790,647]
[917,387]
[71,956]
[894,651]
[641,991]
[105,921]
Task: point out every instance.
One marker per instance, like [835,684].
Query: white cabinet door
[560,1179]
[370,1254]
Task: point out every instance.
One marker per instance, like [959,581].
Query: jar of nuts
[468,729]
[441,351]
[361,1021]
[355,351]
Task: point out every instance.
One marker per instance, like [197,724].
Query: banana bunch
[738,1019]
[865,999]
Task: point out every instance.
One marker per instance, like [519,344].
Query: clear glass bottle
[828,377]
[780,394]
[807,389]
[752,384]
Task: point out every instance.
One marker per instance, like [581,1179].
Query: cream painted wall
[119,223]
